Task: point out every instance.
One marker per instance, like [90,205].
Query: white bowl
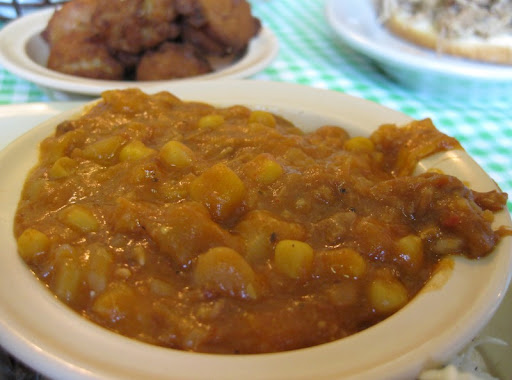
[25,53]
[54,340]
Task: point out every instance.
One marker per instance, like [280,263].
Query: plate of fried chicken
[88,46]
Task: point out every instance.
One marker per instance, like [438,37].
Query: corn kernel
[269,172]
[359,144]
[32,243]
[263,169]
[63,167]
[176,154]
[210,121]
[262,117]
[387,295]
[260,230]
[80,218]
[410,250]
[134,151]
[293,258]
[225,271]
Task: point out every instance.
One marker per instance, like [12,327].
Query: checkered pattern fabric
[311,55]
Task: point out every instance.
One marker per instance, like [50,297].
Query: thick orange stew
[229,230]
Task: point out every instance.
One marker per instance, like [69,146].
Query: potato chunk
[63,167]
[224,271]
[210,121]
[294,258]
[262,117]
[183,231]
[134,151]
[67,278]
[103,151]
[80,218]
[32,243]
[387,294]
[342,262]
[221,190]
[115,303]
[98,268]
[359,144]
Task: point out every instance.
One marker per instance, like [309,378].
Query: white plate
[41,331]
[24,53]
[356,24]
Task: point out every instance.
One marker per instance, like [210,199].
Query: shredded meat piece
[457,18]
[459,210]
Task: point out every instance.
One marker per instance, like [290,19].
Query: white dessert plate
[357,25]
[24,52]
[438,323]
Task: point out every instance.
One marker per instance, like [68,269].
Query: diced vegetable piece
[139,255]
[161,287]
[184,230]
[261,230]
[98,268]
[54,148]
[343,293]
[176,154]
[80,218]
[220,190]
[115,303]
[134,151]
[410,251]
[210,121]
[387,294]
[32,243]
[262,117]
[342,262]
[294,258]
[264,169]
[222,270]
[64,251]
[67,279]
[103,151]
[359,144]
[63,167]
[447,246]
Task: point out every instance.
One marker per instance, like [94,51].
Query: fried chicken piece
[218,27]
[74,16]
[200,38]
[132,26]
[79,54]
[171,61]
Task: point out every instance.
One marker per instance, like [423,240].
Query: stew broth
[229,230]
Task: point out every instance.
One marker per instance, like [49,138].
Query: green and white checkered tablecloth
[311,55]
